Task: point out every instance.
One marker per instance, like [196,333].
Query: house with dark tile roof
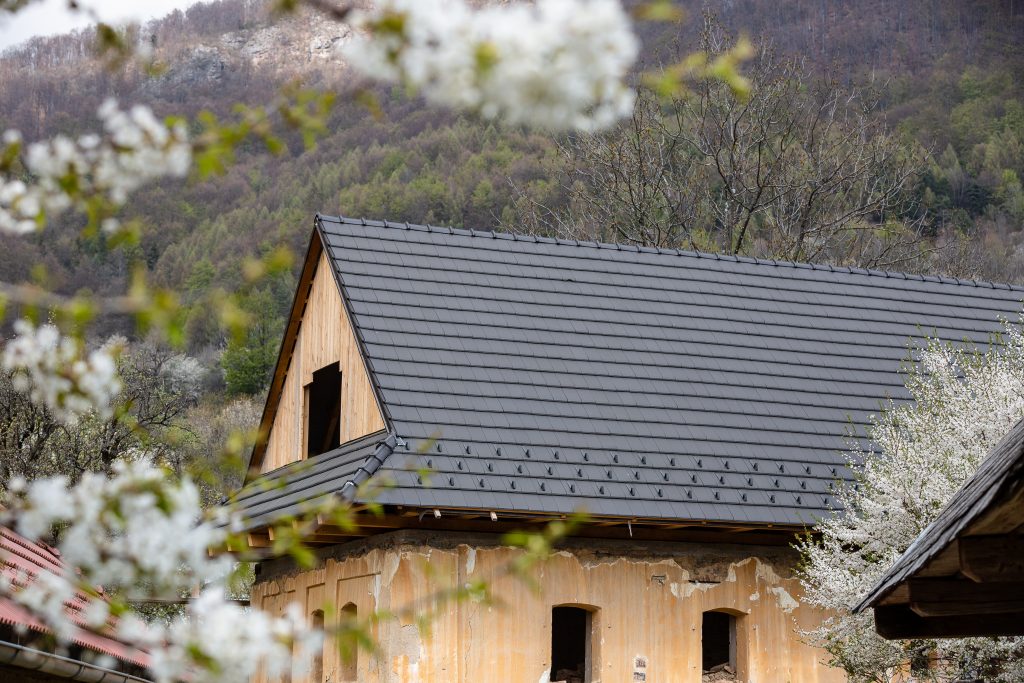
[695,407]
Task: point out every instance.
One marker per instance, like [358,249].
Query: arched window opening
[572,644]
[718,646]
[350,649]
[316,669]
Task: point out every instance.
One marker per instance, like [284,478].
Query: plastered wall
[648,621]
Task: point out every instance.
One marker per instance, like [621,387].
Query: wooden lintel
[954,597]
[992,558]
[896,622]
[336,532]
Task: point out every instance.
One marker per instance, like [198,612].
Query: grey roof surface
[630,381]
[1001,471]
[307,481]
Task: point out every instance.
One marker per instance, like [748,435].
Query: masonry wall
[649,599]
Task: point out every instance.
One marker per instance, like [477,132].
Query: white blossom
[56,372]
[141,528]
[19,207]
[232,642]
[131,528]
[919,455]
[47,595]
[558,64]
[135,149]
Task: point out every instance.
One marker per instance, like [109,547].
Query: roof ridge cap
[666,251]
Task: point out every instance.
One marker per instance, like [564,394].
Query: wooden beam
[257,540]
[992,558]
[452,520]
[953,597]
[896,622]
[1002,516]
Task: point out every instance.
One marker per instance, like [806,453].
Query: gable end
[319,333]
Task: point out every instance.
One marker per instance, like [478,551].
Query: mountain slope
[945,71]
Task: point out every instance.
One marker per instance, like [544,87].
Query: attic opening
[322,410]
[718,646]
[572,647]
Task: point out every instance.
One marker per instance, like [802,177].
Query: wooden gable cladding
[321,335]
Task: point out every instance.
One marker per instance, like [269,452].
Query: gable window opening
[572,653]
[322,408]
[718,647]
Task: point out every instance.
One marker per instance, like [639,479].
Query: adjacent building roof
[973,551]
[22,560]
[548,375]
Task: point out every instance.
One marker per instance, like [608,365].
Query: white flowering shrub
[557,64]
[137,527]
[920,454]
[135,149]
[231,642]
[140,529]
[57,373]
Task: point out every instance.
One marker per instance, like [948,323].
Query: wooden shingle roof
[632,382]
[964,575]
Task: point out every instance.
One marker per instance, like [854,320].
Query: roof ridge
[615,246]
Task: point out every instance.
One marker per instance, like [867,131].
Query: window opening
[571,652]
[323,410]
[316,670]
[350,655]
[718,646]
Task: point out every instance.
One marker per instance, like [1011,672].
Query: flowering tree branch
[918,456]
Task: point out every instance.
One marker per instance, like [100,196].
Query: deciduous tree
[910,462]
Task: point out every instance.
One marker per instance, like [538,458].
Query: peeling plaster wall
[650,599]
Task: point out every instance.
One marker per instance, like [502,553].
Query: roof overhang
[964,575]
[389,518]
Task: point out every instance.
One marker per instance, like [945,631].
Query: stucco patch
[786,601]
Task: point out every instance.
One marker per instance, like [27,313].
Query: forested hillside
[945,75]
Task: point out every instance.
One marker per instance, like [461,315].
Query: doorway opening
[718,646]
[316,670]
[572,651]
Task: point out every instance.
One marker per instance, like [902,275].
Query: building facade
[694,407]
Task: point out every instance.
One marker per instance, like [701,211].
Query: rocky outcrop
[198,65]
